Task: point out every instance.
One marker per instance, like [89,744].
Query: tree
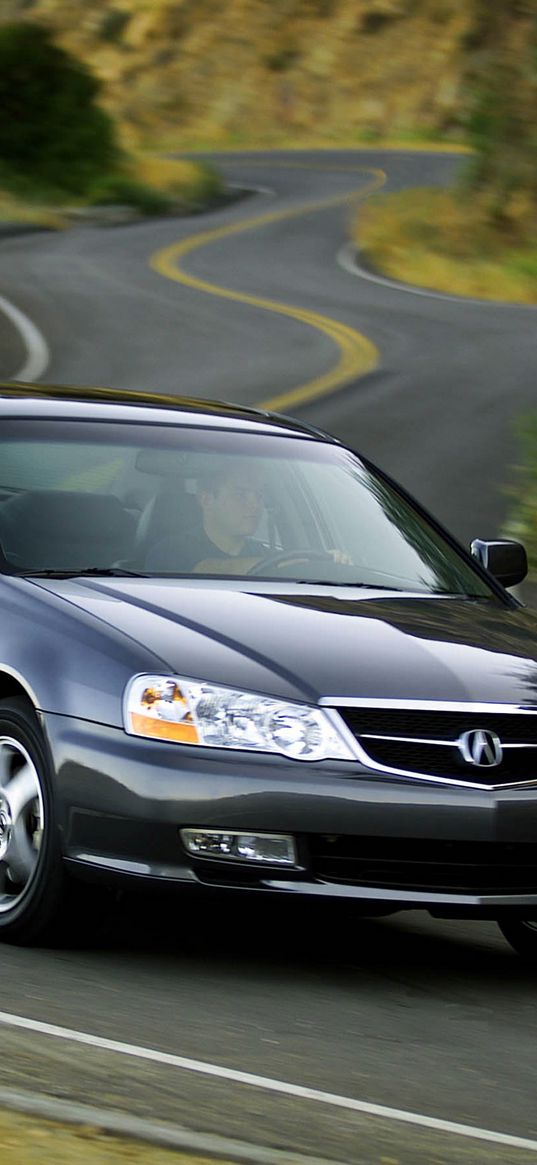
[53,135]
[503,112]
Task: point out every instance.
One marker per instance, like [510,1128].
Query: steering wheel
[279,557]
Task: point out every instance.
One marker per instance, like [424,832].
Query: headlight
[193,712]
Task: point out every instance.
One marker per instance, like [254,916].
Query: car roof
[93,403]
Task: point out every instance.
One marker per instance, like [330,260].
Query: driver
[231,505]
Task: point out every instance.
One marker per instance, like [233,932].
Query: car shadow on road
[312,937]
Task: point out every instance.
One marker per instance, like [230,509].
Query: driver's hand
[232,565]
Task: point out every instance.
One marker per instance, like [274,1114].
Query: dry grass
[173,177]
[27,1140]
[268,71]
[153,184]
[434,239]
[18,210]
[148,183]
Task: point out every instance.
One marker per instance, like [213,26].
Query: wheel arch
[13,685]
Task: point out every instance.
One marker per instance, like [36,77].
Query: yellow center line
[357,354]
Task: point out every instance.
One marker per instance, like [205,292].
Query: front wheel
[521,933]
[31,875]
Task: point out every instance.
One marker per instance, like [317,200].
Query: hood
[322,642]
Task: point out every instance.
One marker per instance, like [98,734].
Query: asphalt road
[431,1017]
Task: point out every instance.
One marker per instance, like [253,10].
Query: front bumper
[122,800]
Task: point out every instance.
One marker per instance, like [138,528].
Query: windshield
[112,497]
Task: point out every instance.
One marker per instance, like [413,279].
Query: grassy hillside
[262,71]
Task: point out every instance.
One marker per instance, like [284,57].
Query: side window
[40,466]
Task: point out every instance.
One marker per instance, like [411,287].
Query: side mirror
[507,561]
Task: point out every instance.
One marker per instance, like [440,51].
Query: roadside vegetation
[481,237]
[29,1140]
[268,72]
[446,241]
[522,522]
[60,152]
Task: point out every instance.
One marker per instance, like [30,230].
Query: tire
[521,933]
[32,882]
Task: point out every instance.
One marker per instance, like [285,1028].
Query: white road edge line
[251,189]
[38,354]
[265,1082]
[347,258]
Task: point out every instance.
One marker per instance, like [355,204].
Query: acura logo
[481,748]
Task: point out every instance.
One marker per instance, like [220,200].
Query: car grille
[417,864]
[424,742]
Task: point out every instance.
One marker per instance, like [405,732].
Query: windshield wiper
[94,571]
[323,582]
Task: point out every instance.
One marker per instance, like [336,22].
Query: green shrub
[281,59]
[52,132]
[124,190]
[113,25]
[523,520]
[501,87]
[525,264]
[151,198]
[206,189]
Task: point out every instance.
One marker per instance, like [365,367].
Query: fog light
[275,849]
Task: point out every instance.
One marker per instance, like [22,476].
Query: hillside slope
[269,70]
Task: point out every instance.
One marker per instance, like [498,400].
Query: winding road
[261,302]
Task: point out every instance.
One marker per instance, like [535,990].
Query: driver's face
[235,506]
